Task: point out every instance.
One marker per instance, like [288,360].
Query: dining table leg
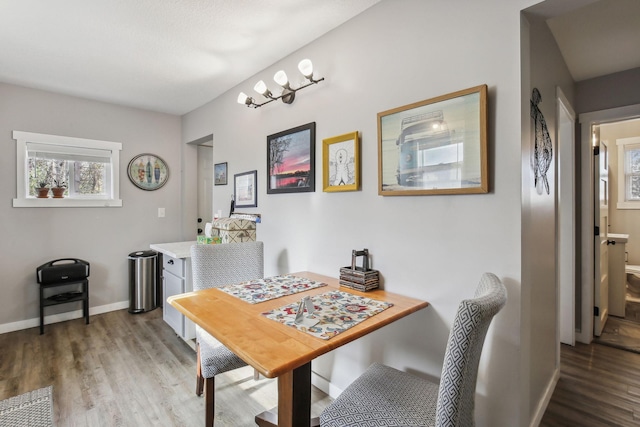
[294,401]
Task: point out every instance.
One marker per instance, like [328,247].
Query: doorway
[205,185]
[204,180]
[590,216]
[623,327]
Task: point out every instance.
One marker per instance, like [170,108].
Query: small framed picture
[220,174]
[341,163]
[245,189]
[291,160]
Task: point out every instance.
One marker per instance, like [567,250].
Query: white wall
[429,247]
[102,236]
[625,221]
[547,71]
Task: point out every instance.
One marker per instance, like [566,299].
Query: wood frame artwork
[436,146]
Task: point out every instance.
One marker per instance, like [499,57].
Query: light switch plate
[160,212]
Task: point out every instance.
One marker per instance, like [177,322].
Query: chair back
[218,265]
[456,394]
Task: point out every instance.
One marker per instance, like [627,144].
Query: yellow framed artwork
[341,163]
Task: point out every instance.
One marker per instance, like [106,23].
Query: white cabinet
[172,284]
[176,279]
[617,274]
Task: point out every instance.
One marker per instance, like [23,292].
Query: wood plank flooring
[623,333]
[127,370]
[132,370]
[599,386]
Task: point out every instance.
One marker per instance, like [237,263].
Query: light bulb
[242,98]
[281,78]
[261,88]
[306,68]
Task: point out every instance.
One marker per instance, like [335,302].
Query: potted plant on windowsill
[59,189]
[42,191]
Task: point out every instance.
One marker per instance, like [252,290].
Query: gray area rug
[32,409]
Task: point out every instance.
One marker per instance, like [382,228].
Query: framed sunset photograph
[291,160]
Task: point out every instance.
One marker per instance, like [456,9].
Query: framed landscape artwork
[291,160]
[436,146]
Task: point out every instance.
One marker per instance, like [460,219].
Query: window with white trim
[628,173]
[87,169]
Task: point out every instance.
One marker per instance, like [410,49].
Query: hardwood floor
[132,370]
[623,333]
[599,386]
[127,370]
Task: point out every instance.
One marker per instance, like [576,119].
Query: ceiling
[600,38]
[162,55]
[176,55]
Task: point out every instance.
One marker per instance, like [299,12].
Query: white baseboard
[325,385]
[546,398]
[61,317]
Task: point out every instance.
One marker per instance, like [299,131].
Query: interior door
[601,188]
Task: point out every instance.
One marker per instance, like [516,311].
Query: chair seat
[384,396]
[215,358]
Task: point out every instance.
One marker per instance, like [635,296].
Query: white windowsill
[66,203]
[628,205]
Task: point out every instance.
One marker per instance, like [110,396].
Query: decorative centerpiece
[359,278]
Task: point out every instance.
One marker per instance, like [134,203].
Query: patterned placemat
[256,291]
[336,311]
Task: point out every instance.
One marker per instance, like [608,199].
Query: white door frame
[585,335]
[566,225]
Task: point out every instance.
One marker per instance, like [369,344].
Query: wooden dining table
[277,350]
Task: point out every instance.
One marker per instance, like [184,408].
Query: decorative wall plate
[148,171]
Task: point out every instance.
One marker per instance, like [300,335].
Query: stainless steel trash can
[143,281]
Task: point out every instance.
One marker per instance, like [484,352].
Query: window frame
[623,145]
[23,200]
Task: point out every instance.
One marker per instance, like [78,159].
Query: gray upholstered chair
[213,266]
[386,396]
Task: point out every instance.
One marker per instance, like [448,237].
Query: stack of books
[359,279]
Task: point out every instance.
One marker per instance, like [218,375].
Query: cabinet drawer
[173,265]
[172,285]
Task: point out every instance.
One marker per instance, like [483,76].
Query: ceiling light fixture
[288,93]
